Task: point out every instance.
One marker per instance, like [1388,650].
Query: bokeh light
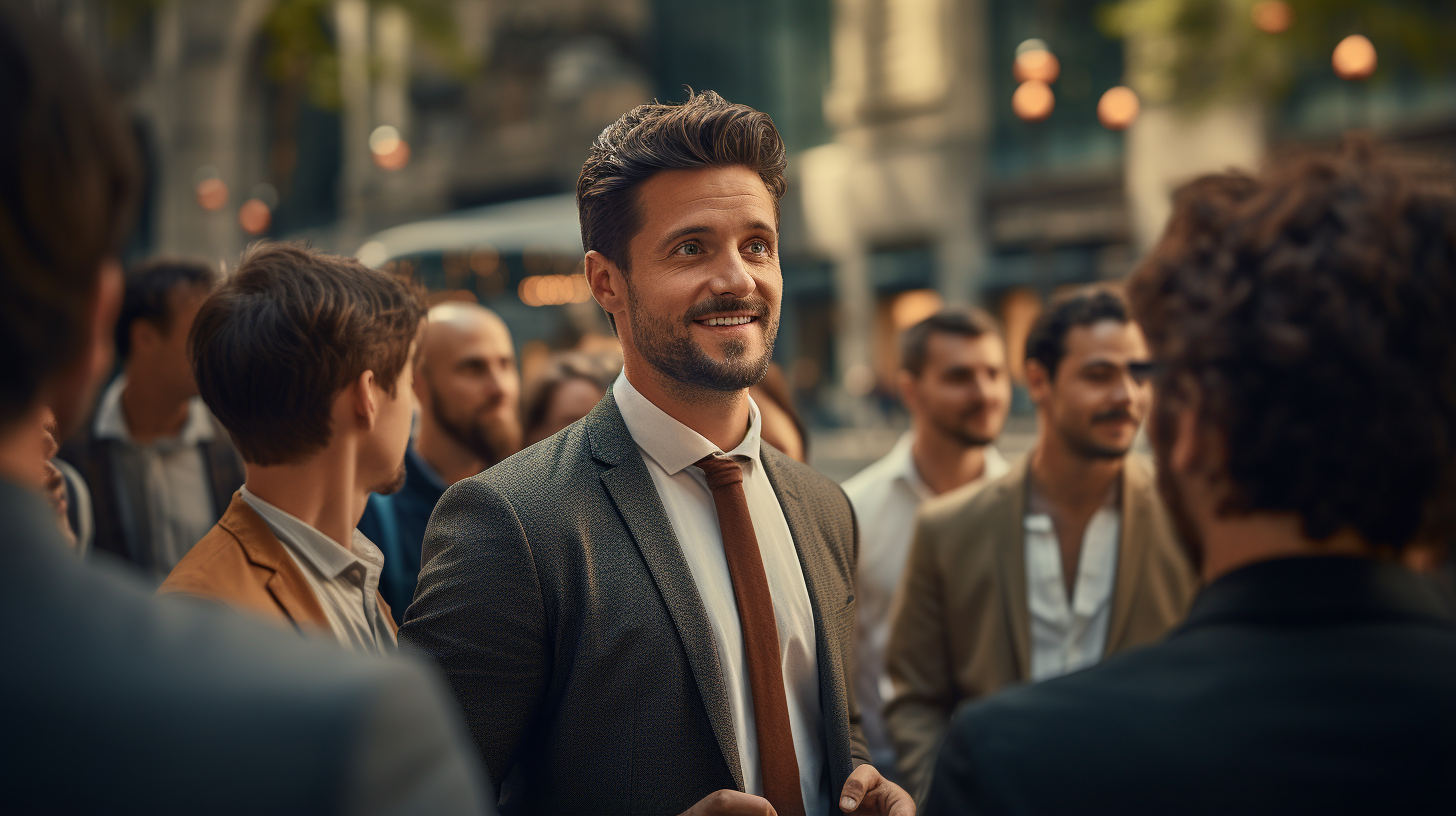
[1354,58]
[1036,64]
[1272,16]
[390,151]
[1033,101]
[255,216]
[212,194]
[553,290]
[1118,108]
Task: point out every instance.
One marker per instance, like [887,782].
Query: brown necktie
[776,760]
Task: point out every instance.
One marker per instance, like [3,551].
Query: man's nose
[731,276]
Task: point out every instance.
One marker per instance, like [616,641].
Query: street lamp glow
[1033,101]
[1354,58]
[254,216]
[1272,16]
[1118,108]
[1039,64]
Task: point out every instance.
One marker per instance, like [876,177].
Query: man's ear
[1038,381]
[608,285]
[364,393]
[905,382]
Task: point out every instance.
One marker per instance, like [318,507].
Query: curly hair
[1314,309]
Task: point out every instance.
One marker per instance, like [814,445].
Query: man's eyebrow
[675,235]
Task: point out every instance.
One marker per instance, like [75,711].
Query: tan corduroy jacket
[242,564]
[960,625]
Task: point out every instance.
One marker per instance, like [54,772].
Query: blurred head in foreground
[679,210]
[1086,365]
[1303,325]
[572,384]
[469,389]
[303,355]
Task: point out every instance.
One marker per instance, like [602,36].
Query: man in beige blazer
[1066,559]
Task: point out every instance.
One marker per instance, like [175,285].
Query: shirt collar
[322,553]
[111,421]
[901,459]
[671,444]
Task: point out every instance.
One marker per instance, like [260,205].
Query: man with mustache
[651,612]
[953,381]
[469,392]
[307,360]
[1067,558]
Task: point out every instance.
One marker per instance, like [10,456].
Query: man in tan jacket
[305,359]
[1066,559]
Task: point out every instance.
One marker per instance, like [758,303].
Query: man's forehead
[673,196]
[952,347]
[1106,339]
[466,329]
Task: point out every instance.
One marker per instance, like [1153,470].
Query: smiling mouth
[728,321]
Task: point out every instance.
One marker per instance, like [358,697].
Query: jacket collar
[287,584]
[1319,590]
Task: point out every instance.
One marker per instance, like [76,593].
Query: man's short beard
[667,345]
[490,441]
[961,435]
[395,484]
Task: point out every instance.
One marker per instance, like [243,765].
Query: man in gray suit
[651,612]
[115,701]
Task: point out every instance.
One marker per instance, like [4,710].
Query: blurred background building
[942,151]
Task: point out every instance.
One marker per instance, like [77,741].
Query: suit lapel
[630,487]
[1133,547]
[1008,536]
[287,584]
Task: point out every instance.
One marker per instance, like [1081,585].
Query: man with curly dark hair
[1304,328]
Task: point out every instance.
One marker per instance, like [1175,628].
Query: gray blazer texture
[116,701]
[556,597]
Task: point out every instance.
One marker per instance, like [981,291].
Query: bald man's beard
[489,434]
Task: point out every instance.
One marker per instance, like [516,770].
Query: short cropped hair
[964,322]
[69,178]
[706,130]
[1314,309]
[1046,343]
[148,294]
[275,344]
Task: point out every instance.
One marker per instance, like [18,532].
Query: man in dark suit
[115,701]
[651,612]
[1304,331]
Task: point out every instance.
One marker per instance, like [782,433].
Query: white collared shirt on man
[345,581]
[886,496]
[670,449]
[1067,635]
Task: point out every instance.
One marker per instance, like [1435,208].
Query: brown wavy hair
[1314,307]
[274,345]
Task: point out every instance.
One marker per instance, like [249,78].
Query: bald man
[469,391]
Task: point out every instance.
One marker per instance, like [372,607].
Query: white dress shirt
[346,582]
[886,495]
[670,450]
[1066,636]
[165,500]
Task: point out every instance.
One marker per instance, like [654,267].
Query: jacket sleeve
[479,614]
[918,663]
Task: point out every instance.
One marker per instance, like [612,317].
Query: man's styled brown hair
[704,131]
[966,322]
[274,345]
[1314,308]
[68,181]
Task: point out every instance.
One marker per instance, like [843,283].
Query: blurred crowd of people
[311,545]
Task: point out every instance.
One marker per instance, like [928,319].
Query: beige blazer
[960,625]
[242,564]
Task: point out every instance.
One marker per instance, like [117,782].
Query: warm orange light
[1118,108]
[1039,64]
[212,194]
[1273,16]
[553,290]
[1354,58]
[1033,101]
[395,158]
[254,216]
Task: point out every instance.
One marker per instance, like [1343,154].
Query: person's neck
[19,449]
[721,417]
[324,492]
[944,462]
[444,455]
[1231,542]
[1069,481]
[151,412]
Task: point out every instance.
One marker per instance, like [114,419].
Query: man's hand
[733,803]
[866,792]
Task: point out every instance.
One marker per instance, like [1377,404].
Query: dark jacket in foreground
[559,603]
[118,702]
[1303,685]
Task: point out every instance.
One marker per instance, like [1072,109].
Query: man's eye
[689,249]
[757,247]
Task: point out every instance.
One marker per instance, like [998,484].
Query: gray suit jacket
[559,603]
[115,701]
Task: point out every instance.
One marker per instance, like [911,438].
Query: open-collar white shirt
[886,495]
[1068,634]
[670,450]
